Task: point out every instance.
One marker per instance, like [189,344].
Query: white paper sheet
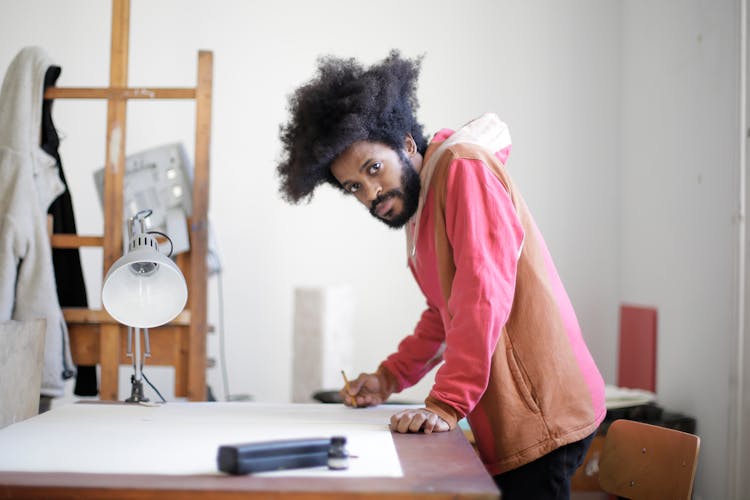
[183,438]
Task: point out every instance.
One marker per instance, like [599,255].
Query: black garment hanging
[71,288]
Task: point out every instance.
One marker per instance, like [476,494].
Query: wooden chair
[643,462]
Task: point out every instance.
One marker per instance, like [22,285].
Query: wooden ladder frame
[95,337]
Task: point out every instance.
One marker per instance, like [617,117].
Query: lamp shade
[144,289]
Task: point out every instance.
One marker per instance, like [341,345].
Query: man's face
[382,179]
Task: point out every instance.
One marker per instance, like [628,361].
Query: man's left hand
[417,420]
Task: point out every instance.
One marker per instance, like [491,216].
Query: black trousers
[546,478]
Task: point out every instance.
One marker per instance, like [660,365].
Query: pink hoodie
[515,362]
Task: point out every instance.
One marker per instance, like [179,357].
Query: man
[514,361]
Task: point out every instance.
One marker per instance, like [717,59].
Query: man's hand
[417,420]
[366,390]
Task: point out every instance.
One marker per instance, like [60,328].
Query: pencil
[346,387]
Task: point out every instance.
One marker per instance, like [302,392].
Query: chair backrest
[21,362]
[643,462]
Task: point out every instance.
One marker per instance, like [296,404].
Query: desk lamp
[143,289]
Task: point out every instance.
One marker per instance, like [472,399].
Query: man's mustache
[394,193]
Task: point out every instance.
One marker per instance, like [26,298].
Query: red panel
[637,360]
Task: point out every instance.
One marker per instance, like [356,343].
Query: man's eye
[375,167]
[353,187]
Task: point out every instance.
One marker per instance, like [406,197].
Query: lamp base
[136,392]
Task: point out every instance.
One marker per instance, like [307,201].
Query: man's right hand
[366,390]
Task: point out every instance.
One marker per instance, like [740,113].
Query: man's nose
[371,192]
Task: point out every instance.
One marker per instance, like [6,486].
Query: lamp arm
[171,244]
[146,344]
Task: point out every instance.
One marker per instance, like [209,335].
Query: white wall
[551,71]
[680,195]
[624,119]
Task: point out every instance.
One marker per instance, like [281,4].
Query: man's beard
[408,193]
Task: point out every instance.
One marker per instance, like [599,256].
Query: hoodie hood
[21,120]
[487,131]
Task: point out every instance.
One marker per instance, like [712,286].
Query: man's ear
[410,145]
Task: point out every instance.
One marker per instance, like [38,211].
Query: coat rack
[95,337]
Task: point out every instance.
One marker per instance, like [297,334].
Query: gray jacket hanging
[29,182]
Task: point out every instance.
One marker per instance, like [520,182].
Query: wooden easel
[95,337]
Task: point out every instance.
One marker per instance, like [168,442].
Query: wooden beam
[83,315]
[199,233]
[61,240]
[116,127]
[118,93]
[109,346]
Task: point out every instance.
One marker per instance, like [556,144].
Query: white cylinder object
[323,339]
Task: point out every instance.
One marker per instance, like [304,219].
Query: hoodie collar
[21,119]
[487,131]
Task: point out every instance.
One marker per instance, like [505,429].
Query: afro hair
[345,103]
